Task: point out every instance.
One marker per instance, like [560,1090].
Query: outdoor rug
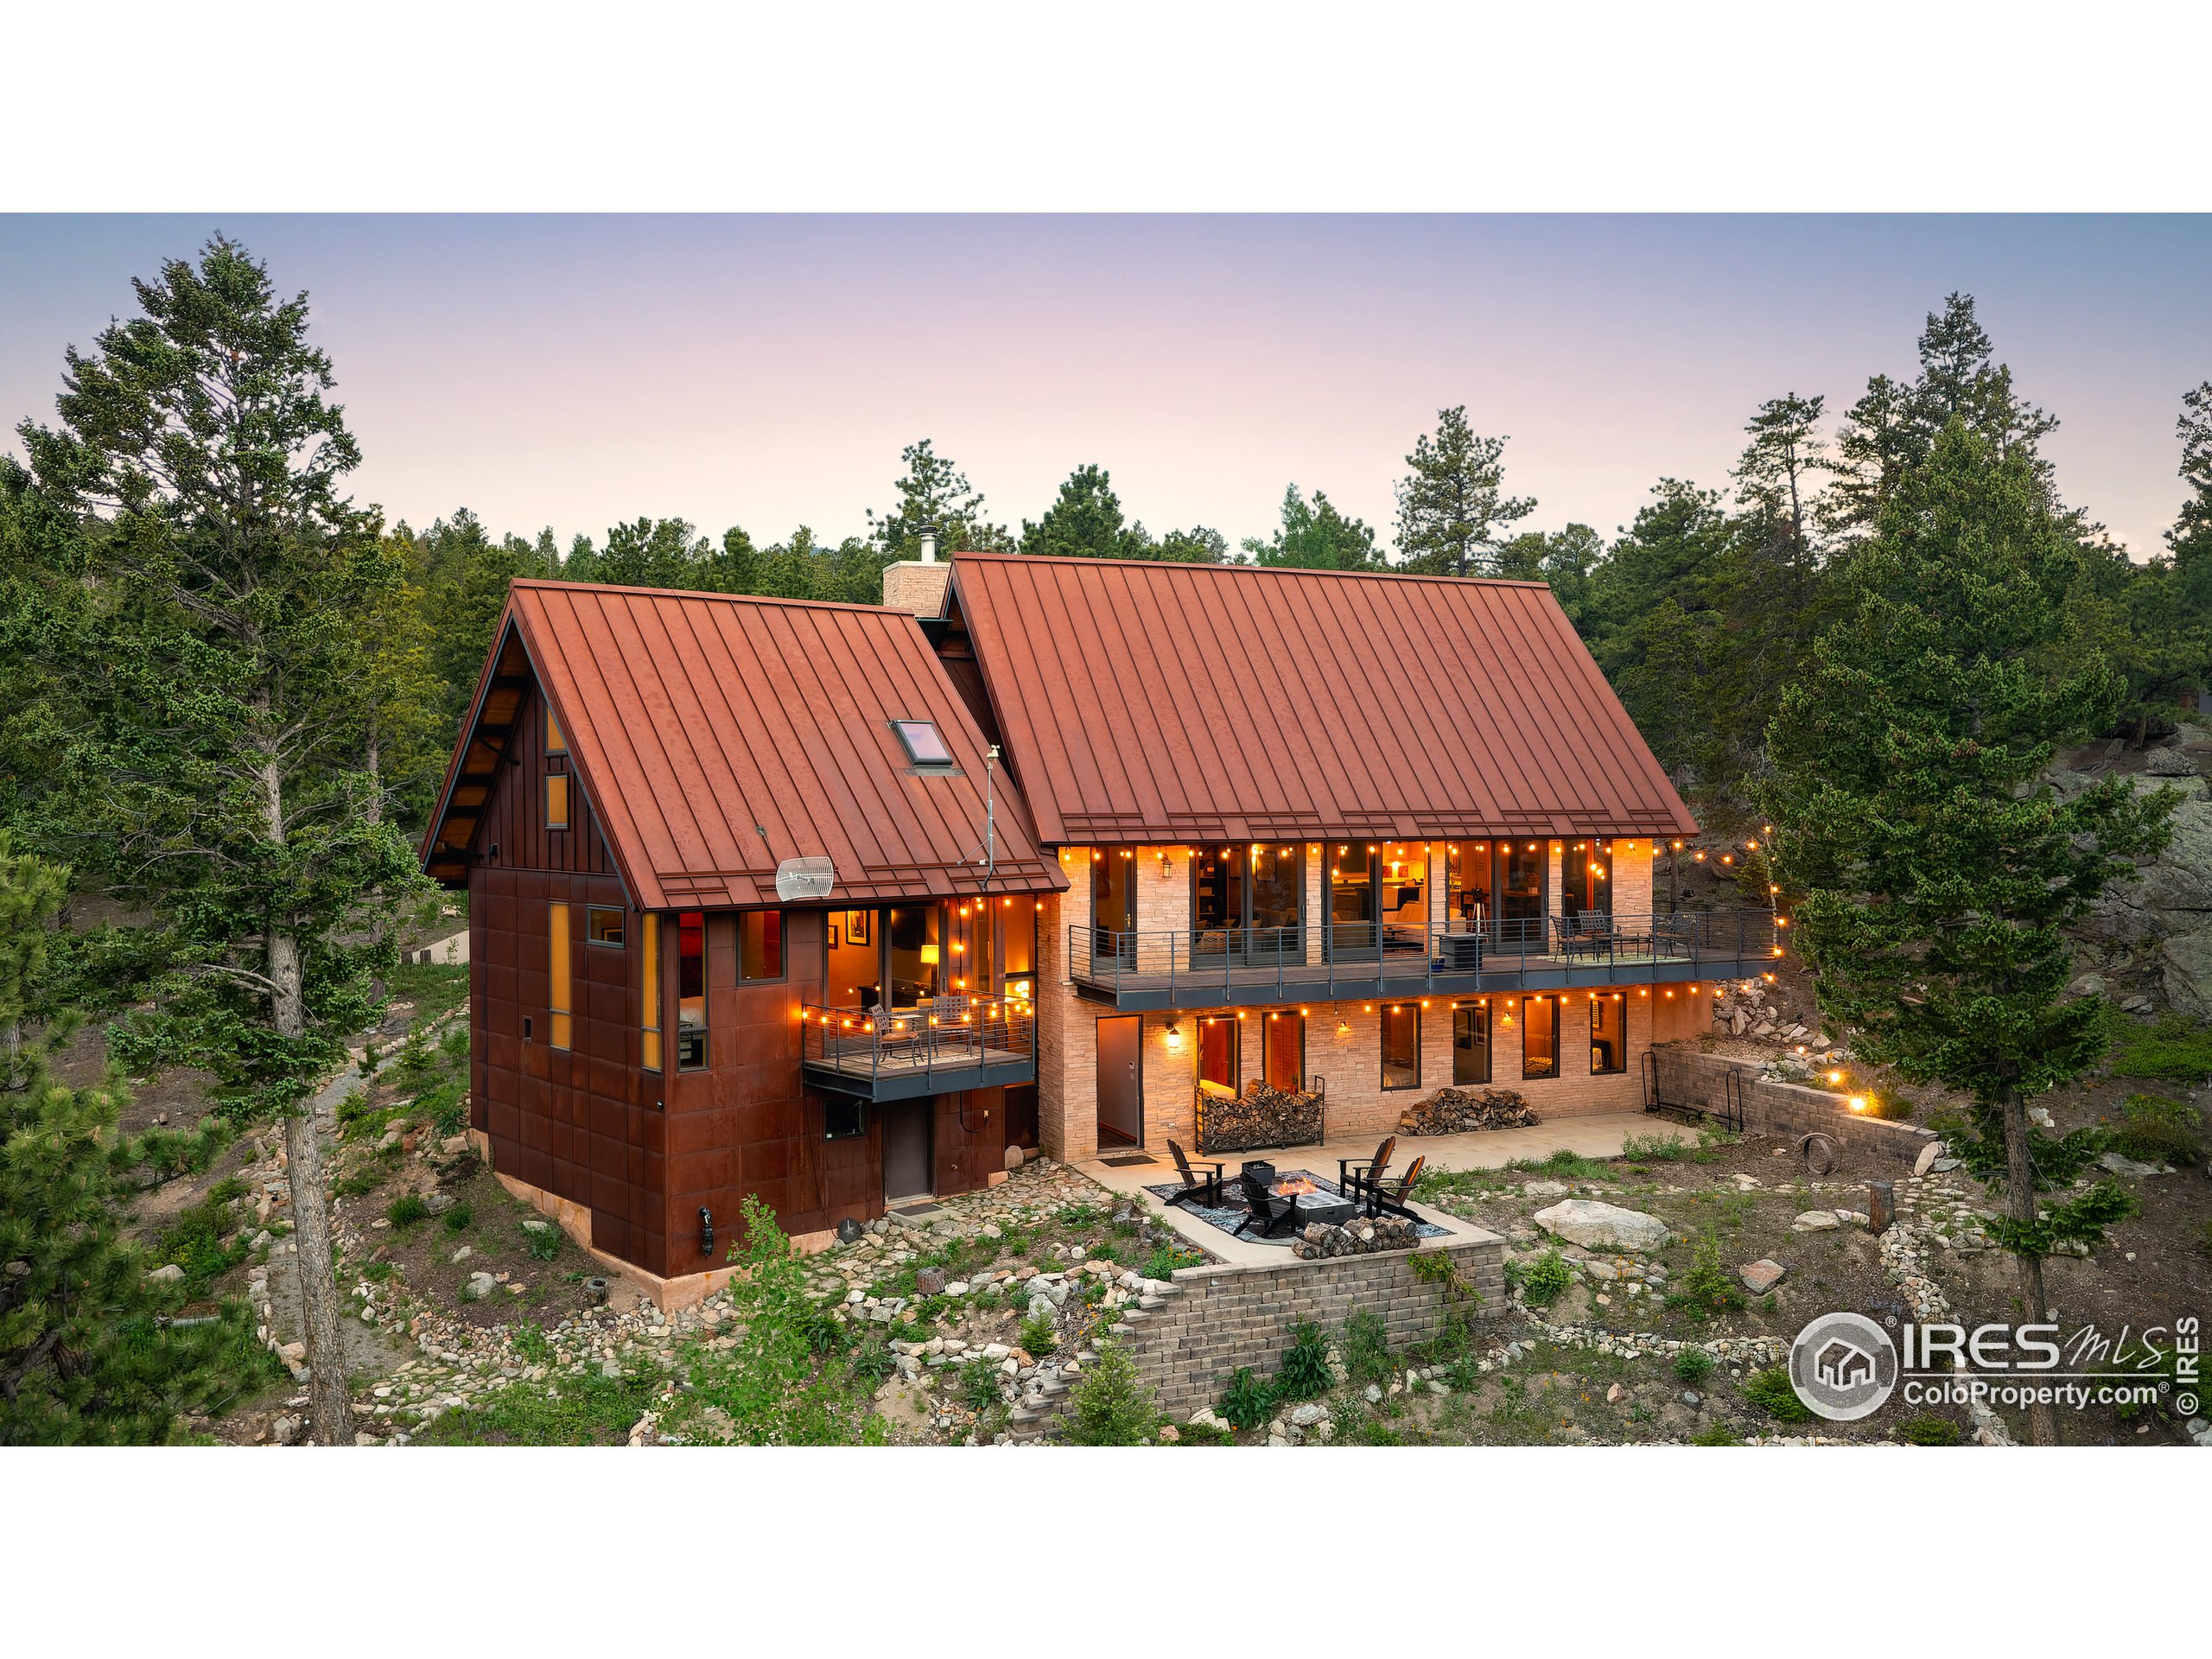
[1230,1219]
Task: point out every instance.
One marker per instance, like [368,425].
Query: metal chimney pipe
[929,543]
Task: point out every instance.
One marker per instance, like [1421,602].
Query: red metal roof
[693,718]
[1166,702]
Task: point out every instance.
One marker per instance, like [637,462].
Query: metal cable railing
[950,1033]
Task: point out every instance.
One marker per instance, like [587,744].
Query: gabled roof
[715,735]
[1162,703]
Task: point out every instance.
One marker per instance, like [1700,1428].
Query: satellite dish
[805,878]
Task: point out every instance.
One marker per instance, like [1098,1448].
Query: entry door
[907,1150]
[1121,1081]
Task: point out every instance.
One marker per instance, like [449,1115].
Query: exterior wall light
[1174,1037]
[706,1231]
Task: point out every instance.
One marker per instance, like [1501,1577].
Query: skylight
[923,747]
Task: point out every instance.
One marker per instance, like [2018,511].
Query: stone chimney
[918,586]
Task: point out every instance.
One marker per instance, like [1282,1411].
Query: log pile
[1455,1111]
[1261,1116]
[1362,1237]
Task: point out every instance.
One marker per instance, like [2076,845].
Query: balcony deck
[1199,968]
[955,1042]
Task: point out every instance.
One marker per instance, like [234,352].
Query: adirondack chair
[1391,1195]
[1353,1173]
[1204,1190]
[1276,1213]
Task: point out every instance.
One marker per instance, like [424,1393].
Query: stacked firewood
[1455,1111]
[1362,1237]
[1261,1116]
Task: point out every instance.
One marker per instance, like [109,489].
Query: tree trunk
[329,1398]
[2020,1203]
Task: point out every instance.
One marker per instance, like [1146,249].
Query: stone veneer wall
[1790,1109]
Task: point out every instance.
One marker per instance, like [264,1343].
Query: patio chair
[1205,1190]
[1353,1173]
[1277,1213]
[1392,1195]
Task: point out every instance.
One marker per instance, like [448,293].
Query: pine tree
[1314,535]
[1452,508]
[932,491]
[227,767]
[1936,868]
[1085,521]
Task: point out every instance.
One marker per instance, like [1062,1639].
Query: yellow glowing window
[556,800]
[556,995]
[557,740]
[650,1057]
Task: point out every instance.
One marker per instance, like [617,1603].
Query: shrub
[1693,1365]
[1166,1258]
[459,1218]
[1038,1336]
[1707,1288]
[1565,1165]
[979,1386]
[1544,1280]
[1246,1403]
[406,1210]
[530,1345]
[1717,1435]
[1928,1429]
[1366,1343]
[1202,1434]
[2176,1049]
[1304,1373]
[543,1242]
[1655,1149]
[2159,1130]
[1111,1406]
[1771,1391]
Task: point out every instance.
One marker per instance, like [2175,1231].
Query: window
[925,748]
[1586,878]
[1401,1045]
[557,740]
[1540,1037]
[556,979]
[1113,893]
[556,800]
[1351,896]
[1471,1043]
[916,933]
[603,925]
[649,1055]
[843,1117]
[1285,1050]
[1017,936]
[761,945]
[1467,871]
[1220,1061]
[1253,887]
[692,992]
[1521,880]
[975,959]
[1402,888]
[1608,1033]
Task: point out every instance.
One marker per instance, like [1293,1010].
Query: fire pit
[1314,1205]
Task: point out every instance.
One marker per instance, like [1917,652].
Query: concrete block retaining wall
[1788,1110]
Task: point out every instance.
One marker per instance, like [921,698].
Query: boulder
[1308,1414]
[1816,1221]
[1929,1154]
[481,1285]
[1595,1225]
[2120,1165]
[1546,1189]
[166,1274]
[1762,1275]
[2169,763]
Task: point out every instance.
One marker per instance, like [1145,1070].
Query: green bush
[1247,1401]
[1166,1258]
[1928,1429]
[1038,1336]
[1709,1288]
[1693,1365]
[1202,1434]
[1655,1149]
[1771,1391]
[459,1218]
[1304,1372]
[2159,1130]
[1111,1406]
[1366,1345]
[1565,1165]
[530,1344]
[1544,1280]
[543,1242]
[979,1386]
[1718,1434]
[406,1210]
[2176,1049]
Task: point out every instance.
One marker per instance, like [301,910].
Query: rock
[1169,1435]
[1816,1221]
[167,1274]
[2138,1004]
[1603,1272]
[538,1227]
[2040,1116]
[1613,1395]
[1013,1156]
[1929,1154]
[1692,1398]
[438,1203]
[481,1285]
[1207,1417]
[1308,1414]
[285,1431]
[1546,1189]
[1595,1225]
[453,1144]
[2086,985]
[462,1254]
[2169,763]
[1944,1165]
[1762,1275]
[2120,1165]
[1373,1394]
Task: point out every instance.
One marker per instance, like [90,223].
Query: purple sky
[766,371]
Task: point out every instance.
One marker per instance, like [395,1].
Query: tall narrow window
[761,945]
[1351,898]
[1277,887]
[1113,900]
[557,981]
[1471,1043]
[916,937]
[1219,1059]
[1285,1052]
[1017,936]
[557,740]
[1586,878]
[1540,1037]
[1608,1033]
[1466,884]
[692,992]
[556,800]
[975,966]
[1401,1045]
[649,1055]
[1402,885]
[1217,896]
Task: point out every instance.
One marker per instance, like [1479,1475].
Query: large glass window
[1540,1036]
[761,945]
[1520,869]
[1471,1043]
[1400,886]
[975,953]
[1608,1033]
[1217,889]
[649,1055]
[559,986]
[1278,885]
[1352,895]
[1220,1053]
[1286,1051]
[1586,878]
[853,963]
[917,945]
[692,992]
[1112,892]
[1467,873]
[1401,1045]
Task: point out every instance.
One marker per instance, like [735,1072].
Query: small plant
[357,1186]
[979,1387]
[1655,1149]
[1707,1289]
[1717,1435]
[1693,1365]
[530,1344]
[1075,1215]
[1038,1336]
[1771,1391]
[1928,1429]
[2156,1129]
[1202,1434]
[543,1241]
[1366,1346]
[406,1210]
[1303,1373]
[1246,1403]
[460,1218]
[2177,1049]
[1166,1258]
[1111,1408]
[1545,1280]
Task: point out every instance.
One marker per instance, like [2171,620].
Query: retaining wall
[1688,1078]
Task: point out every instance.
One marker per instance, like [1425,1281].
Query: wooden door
[907,1154]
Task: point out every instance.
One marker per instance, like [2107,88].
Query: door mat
[1124,1163]
[920,1209]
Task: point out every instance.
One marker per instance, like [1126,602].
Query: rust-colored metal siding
[1165,703]
[716,735]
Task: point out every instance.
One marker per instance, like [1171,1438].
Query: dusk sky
[573,372]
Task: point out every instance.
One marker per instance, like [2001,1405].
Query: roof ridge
[563,583]
[1227,567]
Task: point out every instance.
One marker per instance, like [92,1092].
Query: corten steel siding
[1168,703]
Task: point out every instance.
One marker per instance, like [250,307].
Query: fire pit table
[1314,1202]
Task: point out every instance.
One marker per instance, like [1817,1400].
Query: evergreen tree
[1566,559]
[933,491]
[1452,508]
[465,576]
[1314,535]
[226,765]
[1085,522]
[1936,868]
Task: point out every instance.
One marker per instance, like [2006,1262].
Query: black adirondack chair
[1391,1195]
[1204,1190]
[1275,1214]
[1353,1173]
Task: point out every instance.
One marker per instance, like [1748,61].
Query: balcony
[1223,967]
[955,1042]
